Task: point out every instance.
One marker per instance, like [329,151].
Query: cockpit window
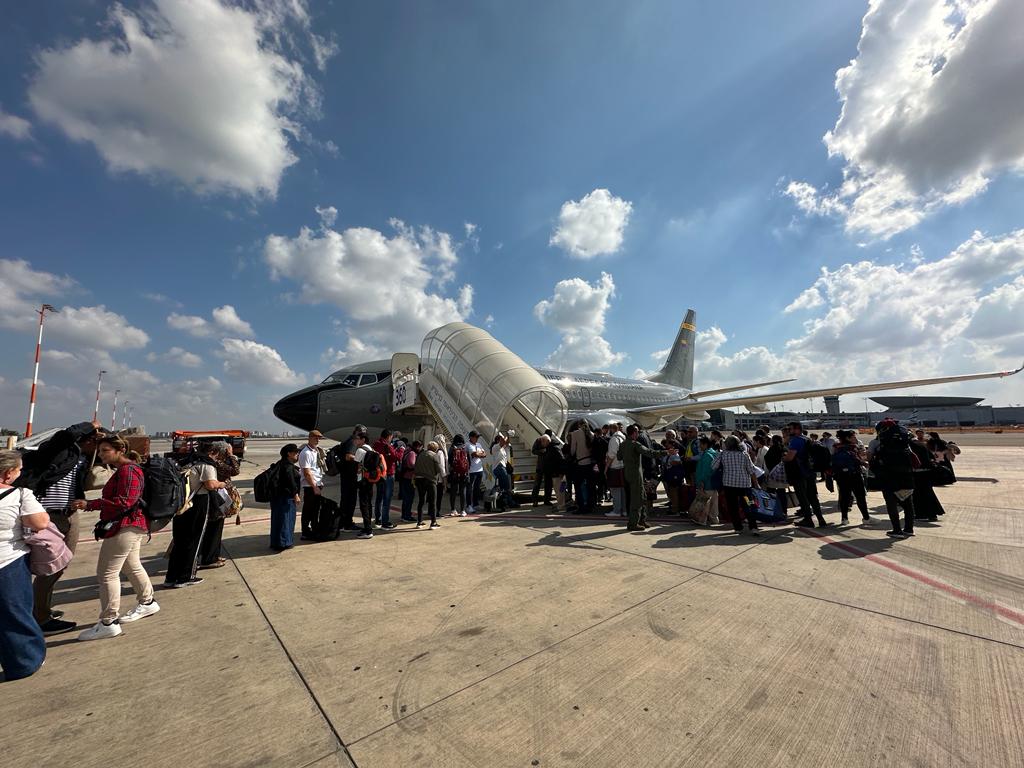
[356,379]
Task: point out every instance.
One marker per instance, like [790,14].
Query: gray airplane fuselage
[361,394]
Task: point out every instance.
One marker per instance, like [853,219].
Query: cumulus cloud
[577,310]
[256,363]
[391,288]
[592,226]
[202,91]
[809,299]
[883,308]
[96,327]
[225,322]
[177,356]
[14,127]
[23,289]
[933,109]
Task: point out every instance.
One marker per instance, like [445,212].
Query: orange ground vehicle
[184,442]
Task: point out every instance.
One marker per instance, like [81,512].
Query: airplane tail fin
[678,368]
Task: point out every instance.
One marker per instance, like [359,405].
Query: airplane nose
[298,409]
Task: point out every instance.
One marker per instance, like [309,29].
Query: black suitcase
[328,520]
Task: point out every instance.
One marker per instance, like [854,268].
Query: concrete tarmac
[531,639]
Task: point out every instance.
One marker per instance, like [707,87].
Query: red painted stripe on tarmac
[1007,613]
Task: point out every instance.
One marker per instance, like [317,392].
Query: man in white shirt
[364,489]
[616,481]
[477,453]
[312,481]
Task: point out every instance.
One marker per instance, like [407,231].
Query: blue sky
[572,175]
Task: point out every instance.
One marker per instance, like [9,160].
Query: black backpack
[819,457]
[165,491]
[894,454]
[373,467]
[263,484]
[334,461]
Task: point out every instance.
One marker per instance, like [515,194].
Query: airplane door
[585,396]
[405,375]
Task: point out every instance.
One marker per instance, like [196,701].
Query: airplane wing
[678,408]
[723,390]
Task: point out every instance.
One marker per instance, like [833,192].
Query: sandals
[221,562]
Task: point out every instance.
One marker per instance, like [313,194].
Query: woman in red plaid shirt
[122,527]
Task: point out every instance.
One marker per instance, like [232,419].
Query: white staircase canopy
[489,385]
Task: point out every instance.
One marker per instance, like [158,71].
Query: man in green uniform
[630,454]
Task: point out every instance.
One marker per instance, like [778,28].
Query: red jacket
[391,456]
[120,500]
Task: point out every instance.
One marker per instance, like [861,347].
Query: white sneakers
[101,631]
[141,611]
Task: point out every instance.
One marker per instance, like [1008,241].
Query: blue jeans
[408,497]
[282,522]
[474,494]
[22,648]
[382,503]
[504,483]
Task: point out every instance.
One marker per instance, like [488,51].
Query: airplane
[362,394]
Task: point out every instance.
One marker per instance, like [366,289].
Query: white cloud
[227,319]
[225,322]
[933,109]
[23,289]
[202,91]
[96,327]
[884,308]
[809,299]
[256,363]
[592,226]
[159,298]
[328,215]
[15,127]
[577,310]
[178,356]
[1000,314]
[390,288]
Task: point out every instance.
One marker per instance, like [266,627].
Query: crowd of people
[614,469]
[42,492]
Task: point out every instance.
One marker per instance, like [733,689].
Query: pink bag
[49,554]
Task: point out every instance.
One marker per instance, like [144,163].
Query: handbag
[97,475]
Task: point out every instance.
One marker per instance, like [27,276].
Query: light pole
[131,415]
[124,414]
[99,386]
[113,416]
[35,374]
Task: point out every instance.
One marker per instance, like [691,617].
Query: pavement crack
[291,659]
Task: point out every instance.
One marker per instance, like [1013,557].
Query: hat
[290,448]
[315,433]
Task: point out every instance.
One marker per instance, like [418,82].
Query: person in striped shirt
[58,501]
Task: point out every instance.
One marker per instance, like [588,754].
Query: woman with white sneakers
[122,528]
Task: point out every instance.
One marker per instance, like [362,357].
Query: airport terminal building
[925,410]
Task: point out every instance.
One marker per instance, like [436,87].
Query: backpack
[894,454]
[409,461]
[334,461]
[845,462]
[166,491]
[460,462]
[263,484]
[374,467]
[819,457]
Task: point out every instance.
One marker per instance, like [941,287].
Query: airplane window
[352,380]
[383,376]
[367,379]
